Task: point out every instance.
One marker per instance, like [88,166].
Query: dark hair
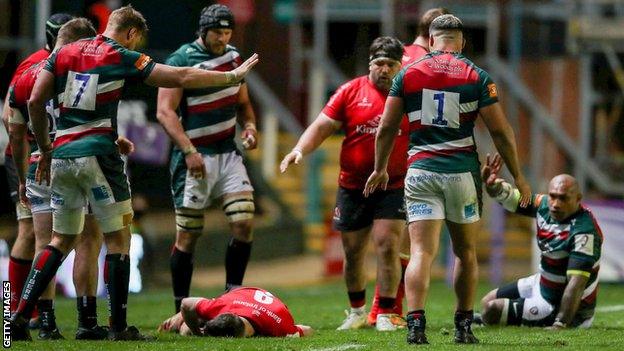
[446,23]
[52,27]
[215,16]
[78,28]
[428,17]
[225,325]
[386,47]
[127,17]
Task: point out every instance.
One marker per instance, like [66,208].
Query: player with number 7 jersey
[88,77]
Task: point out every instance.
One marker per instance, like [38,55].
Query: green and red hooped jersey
[442,93]
[572,246]
[89,76]
[19,93]
[208,115]
[31,60]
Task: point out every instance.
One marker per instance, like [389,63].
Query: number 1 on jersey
[439,120]
[440,108]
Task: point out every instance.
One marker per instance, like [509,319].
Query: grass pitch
[322,306]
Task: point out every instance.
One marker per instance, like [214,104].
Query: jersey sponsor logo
[263,297]
[142,62]
[364,103]
[584,243]
[370,127]
[445,65]
[418,209]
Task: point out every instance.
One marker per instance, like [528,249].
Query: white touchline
[341,347]
[607,309]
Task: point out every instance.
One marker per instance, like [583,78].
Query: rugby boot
[48,329]
[130,333]
[356,319]
[19,329]
[416,329]
[389,322]
[97,332]
[463,332]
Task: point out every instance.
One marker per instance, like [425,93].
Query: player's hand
[126,147]
[22,195]
[294,156]
[195,165]
[250,137]
[376,180]
[241,71]
[172,323]
[489,174]
[43,168]
[525,191]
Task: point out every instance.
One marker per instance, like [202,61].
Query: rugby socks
[116,278]
[416,319]
[386,305]
[236,259]
[87,311]
[181,264]
[357,299]
[18,272]
[398,303]
[43,270]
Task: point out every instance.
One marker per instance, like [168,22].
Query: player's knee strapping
[239,208]
[190,220]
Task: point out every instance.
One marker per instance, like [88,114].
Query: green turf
[322,307]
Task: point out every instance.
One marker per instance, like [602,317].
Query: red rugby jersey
[268,315]
[412,53]
[34,58]
[358,104]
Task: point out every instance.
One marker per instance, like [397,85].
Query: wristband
[189,150]
[230,77]
[509,197]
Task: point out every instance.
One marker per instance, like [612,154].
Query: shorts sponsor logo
[57,199]
[100,193]
[246,182]
[470,210]
[419,209]
[534,310]
[433,177]
[36,200]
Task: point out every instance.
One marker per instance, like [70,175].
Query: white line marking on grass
[607,309]
[341,347]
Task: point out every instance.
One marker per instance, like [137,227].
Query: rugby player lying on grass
[241,312]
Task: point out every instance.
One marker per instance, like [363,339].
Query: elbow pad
[509,197]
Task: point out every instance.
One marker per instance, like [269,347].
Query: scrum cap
[215,16]
[53,25]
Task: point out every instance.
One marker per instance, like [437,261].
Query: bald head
[564,196]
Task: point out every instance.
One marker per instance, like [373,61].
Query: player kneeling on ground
[563,293]
[241,312]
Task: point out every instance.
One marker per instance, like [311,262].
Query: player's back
[89,78]
[442,93]
[411,53]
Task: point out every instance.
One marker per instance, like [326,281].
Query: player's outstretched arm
[322,127]
[505,142]
[384,142]
[189,77]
